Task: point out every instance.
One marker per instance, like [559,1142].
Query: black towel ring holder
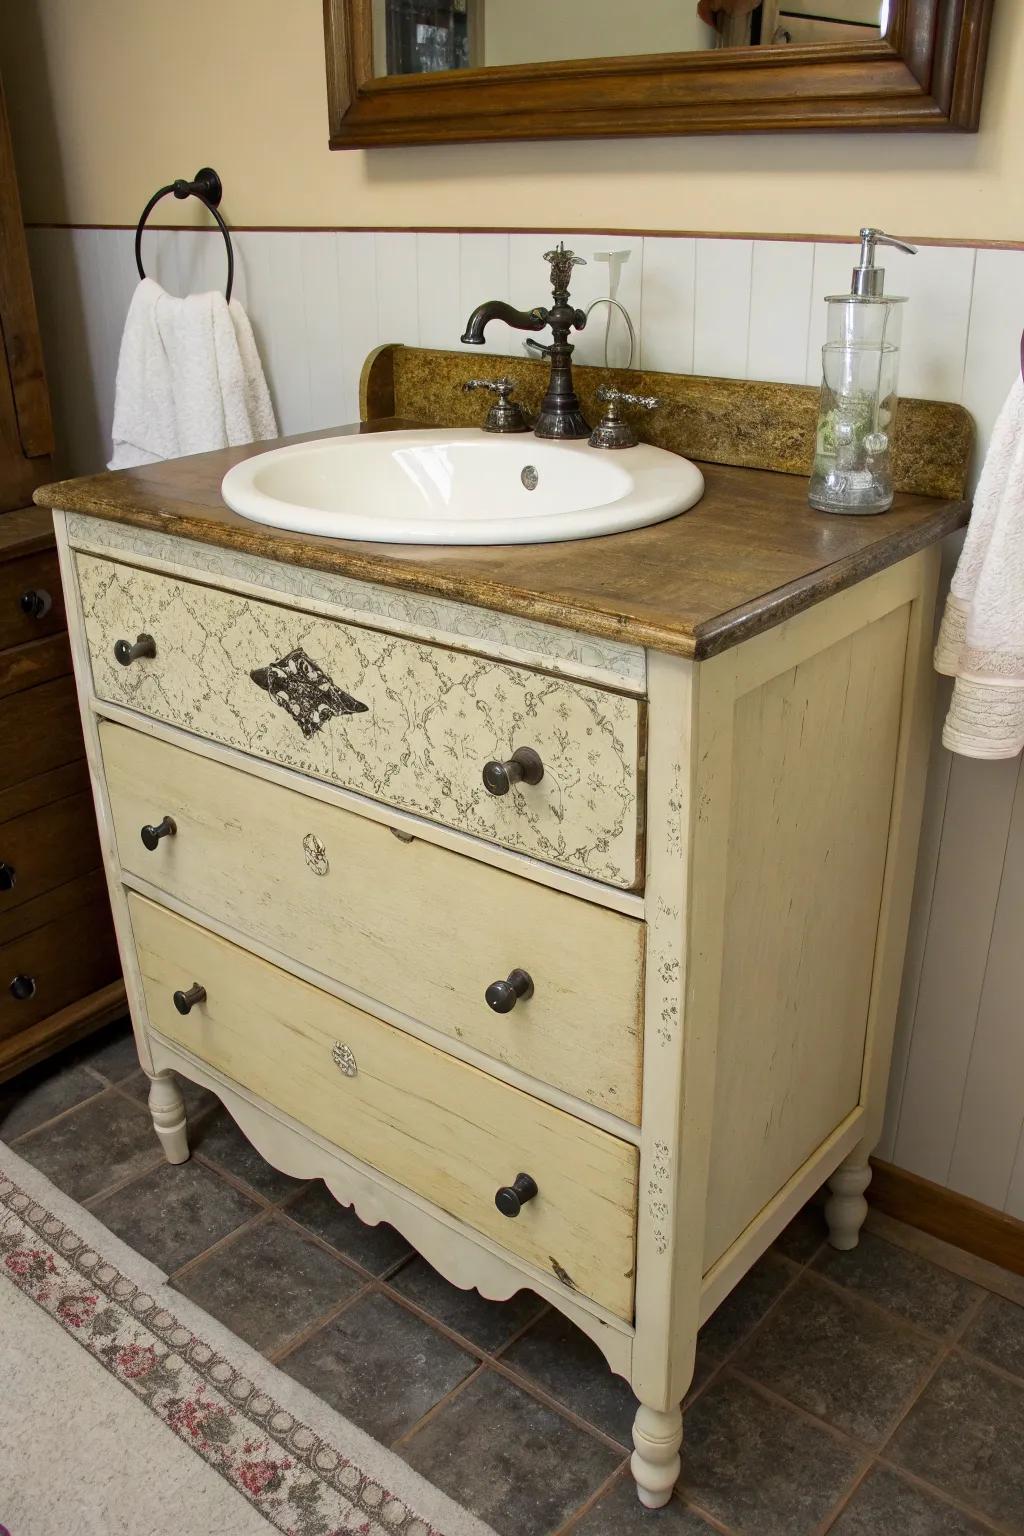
[206,186]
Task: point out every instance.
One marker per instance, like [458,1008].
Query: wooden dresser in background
[59,969]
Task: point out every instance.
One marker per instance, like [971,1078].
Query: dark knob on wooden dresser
[502,996]
[524,766]
[35,603]
[185,1001]
[511,1198]
[151,835]
[8,876]
[23,987]
[125,652]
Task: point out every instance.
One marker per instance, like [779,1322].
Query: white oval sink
[463,486]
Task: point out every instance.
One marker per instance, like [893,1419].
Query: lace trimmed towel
[981,639]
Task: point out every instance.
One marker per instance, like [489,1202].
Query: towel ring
[206,186]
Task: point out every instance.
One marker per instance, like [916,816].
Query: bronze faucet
[560,413]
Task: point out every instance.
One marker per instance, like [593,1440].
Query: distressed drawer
[406,723]
[344,896]
[440,1128]
[31,599]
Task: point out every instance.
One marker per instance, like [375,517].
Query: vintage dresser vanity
[692,926]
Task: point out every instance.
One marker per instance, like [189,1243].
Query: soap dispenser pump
[860,364]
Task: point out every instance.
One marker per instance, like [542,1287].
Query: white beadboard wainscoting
[319,301]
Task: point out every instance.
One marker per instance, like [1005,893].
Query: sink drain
[530,477]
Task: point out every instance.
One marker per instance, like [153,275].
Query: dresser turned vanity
[549,904]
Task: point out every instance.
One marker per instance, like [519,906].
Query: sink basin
[463,486]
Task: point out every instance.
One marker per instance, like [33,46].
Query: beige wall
[108,97]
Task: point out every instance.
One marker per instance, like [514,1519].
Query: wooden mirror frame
[927,74]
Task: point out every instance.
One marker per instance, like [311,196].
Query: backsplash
[319,301]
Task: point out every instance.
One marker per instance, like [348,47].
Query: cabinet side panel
[813,773]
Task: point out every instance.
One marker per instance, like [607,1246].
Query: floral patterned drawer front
[405,723]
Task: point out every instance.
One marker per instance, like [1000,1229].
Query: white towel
[981,639]
[189,378]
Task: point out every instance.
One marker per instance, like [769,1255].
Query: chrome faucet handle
[505,415]
[611,431]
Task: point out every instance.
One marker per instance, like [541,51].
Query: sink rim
[664,485]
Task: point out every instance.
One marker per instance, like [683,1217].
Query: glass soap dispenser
[857,416]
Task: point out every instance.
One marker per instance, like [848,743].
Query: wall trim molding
[955,1218]
[494,229]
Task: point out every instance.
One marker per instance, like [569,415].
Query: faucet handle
[505,415]
[611,431]
[562,262]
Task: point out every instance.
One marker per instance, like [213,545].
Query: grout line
[203,1160]
[844,1436]
[952,1499]
[588,1504]
[424,1419]
[261,1217]
[63,1114]
[879,1309]
[129,1179]
[827,1522]
[362,1270]
[295,1341]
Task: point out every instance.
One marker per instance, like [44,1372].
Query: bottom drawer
[54,951]
[437,1126]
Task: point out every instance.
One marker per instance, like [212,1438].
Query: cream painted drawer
[406,723]
[411,925]
[440,1128]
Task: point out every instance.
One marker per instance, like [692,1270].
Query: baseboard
[955,1218]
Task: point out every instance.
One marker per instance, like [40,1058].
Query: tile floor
[877,1393]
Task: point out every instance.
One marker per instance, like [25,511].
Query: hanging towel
[981,639]
[189,378]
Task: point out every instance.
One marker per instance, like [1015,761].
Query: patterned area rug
[274,1457]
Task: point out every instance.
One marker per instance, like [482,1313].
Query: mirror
[464,71]
[415,37]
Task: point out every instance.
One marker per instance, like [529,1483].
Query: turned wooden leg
[167,1107]
[846,1208]
[655,1462]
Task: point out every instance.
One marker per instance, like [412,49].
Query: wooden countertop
[749,555]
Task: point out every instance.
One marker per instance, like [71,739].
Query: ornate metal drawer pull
[524,766]
[186,1001]
[502,996]
[343,1058]
[151,835]
[125,652]
[511,1198]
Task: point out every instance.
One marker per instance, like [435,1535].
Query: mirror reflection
[412,37]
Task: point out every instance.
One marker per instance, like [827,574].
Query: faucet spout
[496,309]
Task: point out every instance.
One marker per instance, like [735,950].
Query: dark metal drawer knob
[125,652]
[35,603]
[8,876]
[511,1198]
[502,996]
[22,988]
[524,766]
[151,835]
[186,1001]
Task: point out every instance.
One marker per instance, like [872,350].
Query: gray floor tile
[997,1334]
[745,1306]
[758,1466]
[269,1284]
[111,1052]
[803,1237]
[198,1100]
[620,1513]
[839,1359]
[904,1282]
[886,1504]
[106,1140]
[572,1369]
[965,1434]
[217,1137]
[487,1324]
[174,1212]
[379,1365]
[38,1095]
[510,1460]
[378,1249]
